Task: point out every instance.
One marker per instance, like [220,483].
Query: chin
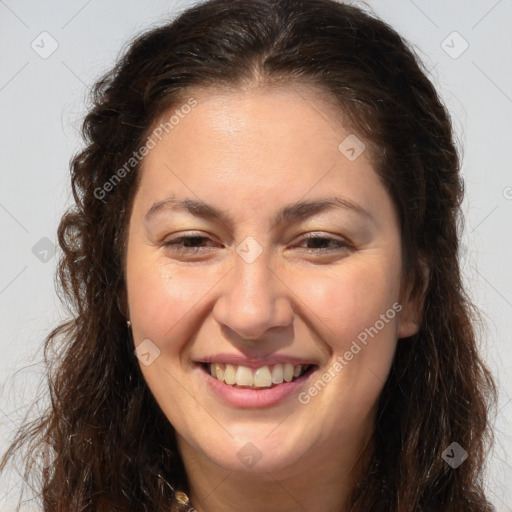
[257,453]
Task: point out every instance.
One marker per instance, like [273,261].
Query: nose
[253,300]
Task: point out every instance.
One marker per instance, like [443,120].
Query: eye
[317,240]
[194,243]
[189,243]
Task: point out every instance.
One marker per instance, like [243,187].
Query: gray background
[42,101]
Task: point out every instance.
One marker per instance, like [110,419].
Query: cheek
[351,299]
[357,315]
[342,302]
[157,297]
[166,301]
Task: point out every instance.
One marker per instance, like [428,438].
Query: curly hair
[113,448]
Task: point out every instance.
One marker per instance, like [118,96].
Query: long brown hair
[112,447]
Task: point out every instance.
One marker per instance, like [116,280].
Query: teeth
[244,377]
[219,372]
[230,375]
[288,372]
[277,374]
[262,377]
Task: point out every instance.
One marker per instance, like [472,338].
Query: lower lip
[256,398]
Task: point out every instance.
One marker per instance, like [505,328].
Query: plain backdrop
[51,52]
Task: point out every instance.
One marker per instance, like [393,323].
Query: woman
[262,259]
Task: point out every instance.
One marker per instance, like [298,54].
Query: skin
[250,152]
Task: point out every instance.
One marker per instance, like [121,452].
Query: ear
[412,301]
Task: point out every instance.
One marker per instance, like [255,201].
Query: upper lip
[255,362]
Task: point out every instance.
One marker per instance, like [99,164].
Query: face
[263,252]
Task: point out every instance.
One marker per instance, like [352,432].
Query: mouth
[262,378]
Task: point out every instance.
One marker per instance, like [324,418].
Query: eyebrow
[292,212]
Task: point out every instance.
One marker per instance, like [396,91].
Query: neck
[319,482]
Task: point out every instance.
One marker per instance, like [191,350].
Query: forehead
[254,144]
[271,113]
[260,126]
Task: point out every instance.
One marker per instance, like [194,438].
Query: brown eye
[318,243]
[186,243]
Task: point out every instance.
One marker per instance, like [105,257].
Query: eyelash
[175,243]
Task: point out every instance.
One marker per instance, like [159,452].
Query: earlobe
[412,313]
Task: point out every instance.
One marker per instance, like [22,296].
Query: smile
[256,378]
